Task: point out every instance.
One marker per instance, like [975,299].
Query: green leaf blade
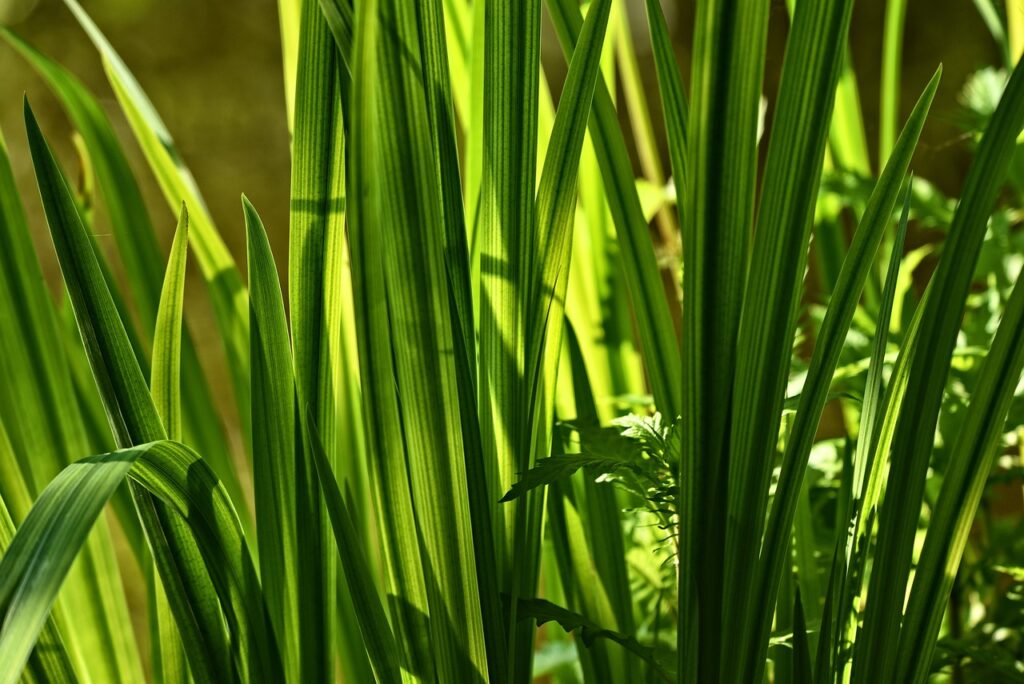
[876,647]
[273,421]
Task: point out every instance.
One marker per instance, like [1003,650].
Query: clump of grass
[431,426]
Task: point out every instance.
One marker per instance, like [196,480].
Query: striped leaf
[223,280]
[877,644]
[192,592]
[830,340]
[137,248]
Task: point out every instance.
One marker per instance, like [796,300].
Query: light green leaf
[658,342]
[316,234]
[41,553]
[165,385]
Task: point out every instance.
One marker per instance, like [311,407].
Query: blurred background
[213,70]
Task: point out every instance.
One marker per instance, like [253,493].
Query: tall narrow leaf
[224,282]
[45,430]
[316,222]
[912,443]
[856,268]
[810,71]
[971,459]
[165,386]
[399,230]
[137,248]
[134,420]
[274,464]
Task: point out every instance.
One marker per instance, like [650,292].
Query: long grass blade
[510,245]
[41,553]
[44,426]
[289,17]
[971,459]
[36,563]
[133,420]
[385,445]
[876,646]
[836,616]
[274,450]
[718,216]
[373,623]
[814,55]
[165,386]
[400,231]
[831,337]
[49,661]
[224,283]
[673,98]
[892,63]
[659,344]
[137,248]
[316,227]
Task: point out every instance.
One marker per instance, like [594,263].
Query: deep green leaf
[45,430]
[378,638]
[137,248]
[400,229]
[134,420]
[554,468]
[810,72]
[830,340]
[273,453]
[912,444]
[224,282]
[972,457]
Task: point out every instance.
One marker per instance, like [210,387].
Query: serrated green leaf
[544,611]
